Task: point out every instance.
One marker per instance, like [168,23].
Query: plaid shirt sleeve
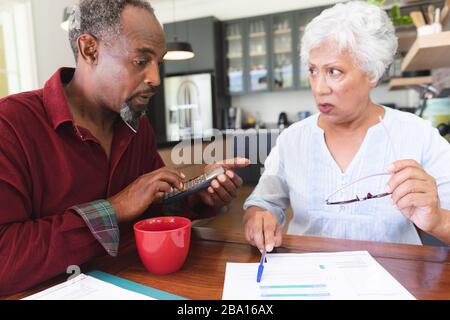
[101,219]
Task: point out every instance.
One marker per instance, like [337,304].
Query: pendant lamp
[178,50]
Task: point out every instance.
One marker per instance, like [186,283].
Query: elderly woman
[356,170]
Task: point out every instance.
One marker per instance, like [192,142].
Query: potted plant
[394,13]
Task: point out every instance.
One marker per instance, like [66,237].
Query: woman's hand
[415,194]
[262,229]
[223,189]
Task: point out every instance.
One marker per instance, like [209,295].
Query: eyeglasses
[363,194]
[366,196]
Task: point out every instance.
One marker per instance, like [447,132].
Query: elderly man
[77,158]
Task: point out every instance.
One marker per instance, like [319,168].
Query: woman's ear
[372,83]
[87,48]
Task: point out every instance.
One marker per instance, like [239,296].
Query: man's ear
[88,48]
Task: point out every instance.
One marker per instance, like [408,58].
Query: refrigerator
[188,106]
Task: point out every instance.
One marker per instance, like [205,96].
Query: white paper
[326,276]
[85,287]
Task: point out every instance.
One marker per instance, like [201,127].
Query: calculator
[192,186]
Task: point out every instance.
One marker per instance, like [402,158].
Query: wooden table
[422,270]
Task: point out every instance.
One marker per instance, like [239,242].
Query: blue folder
[133,286]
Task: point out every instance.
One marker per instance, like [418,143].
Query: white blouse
[300,171]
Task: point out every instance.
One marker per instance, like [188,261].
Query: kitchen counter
[254,145]
[166,144]
[272,128]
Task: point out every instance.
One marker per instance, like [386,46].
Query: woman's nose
[320,85]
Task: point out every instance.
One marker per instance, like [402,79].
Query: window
[17,52]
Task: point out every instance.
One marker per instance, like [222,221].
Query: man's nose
[152,77]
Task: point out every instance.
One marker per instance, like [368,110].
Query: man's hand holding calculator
[167,184]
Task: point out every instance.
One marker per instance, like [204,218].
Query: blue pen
[261,266]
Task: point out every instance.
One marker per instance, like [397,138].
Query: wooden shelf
[231,38]
[257,34]
[234,56]
[404,83]
[428,52]
[282,31]
[288,51]
[257,54]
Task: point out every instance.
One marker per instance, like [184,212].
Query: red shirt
[48,165]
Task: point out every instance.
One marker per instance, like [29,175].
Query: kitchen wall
[52,44]
[230,9]
[266,107]
[53,49]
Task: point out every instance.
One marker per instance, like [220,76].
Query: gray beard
[131,117]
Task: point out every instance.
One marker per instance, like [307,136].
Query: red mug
[163,243]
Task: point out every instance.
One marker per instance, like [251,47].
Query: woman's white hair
[363,29]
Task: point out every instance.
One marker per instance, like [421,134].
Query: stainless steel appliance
[188,106]
[234,118]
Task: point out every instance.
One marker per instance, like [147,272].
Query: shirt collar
[55,101]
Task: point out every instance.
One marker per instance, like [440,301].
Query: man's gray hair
[99,18]
[363,29]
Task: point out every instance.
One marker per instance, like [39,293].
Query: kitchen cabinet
[247,55]
[283,50]
[263,53]
[258,55]
[302,19]
[235,56]
[205,36]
